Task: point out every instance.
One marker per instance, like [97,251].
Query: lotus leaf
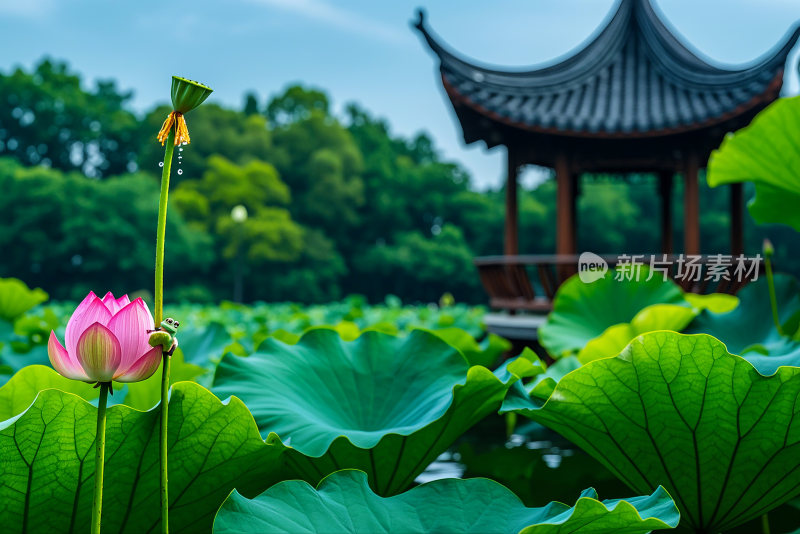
[749,327]
[680,410]
[766,153]
[485,353]
[583,311]
[650,319]
[345,503]
[386,405]
[16,298]
[47,461]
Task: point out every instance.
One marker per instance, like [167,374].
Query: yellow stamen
[174,120]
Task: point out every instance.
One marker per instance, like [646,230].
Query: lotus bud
[239,213]
[106,339]
[769,250]
[186,95]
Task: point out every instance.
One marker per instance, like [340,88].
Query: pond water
[449,464]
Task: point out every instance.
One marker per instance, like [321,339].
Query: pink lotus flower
[106,340]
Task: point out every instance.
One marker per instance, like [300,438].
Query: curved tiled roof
[635,78]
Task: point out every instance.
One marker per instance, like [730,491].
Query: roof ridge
[611,36]
[634,76]
[677,61]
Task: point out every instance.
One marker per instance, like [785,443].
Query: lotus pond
[413,419]
[655,409]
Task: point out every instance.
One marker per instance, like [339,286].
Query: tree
[295,104]
[47,117]
[267,234]
[319,160]
[421,268]
[250,104]
[69,234]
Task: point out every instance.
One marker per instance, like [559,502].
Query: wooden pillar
[737,219]
[511,245]
[565,207]
[576,192]
[665,190]
[691,207]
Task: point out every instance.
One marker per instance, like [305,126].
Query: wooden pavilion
[635,99]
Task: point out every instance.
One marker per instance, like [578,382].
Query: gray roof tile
[634,77]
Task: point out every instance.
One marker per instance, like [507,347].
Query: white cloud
[337,17]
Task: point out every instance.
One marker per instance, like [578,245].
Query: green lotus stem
[186,95]
[159,316]
[773,301]
[99,458]
[765,524]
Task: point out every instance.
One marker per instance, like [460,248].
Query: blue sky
[356,50]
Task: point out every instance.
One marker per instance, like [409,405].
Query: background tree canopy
[336,204]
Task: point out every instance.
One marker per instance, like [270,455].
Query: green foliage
[318,159]
[45,481]
[486,353]
[681,411]
[16,298]
[383,404]
[48,118]
[93,230]
[766,153]
[268,234]
[358,194]
[656,317]
[417,267]
[749,327]
[583,311]
[296,104]
[344,503]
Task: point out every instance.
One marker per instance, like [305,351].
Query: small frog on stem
[165,335]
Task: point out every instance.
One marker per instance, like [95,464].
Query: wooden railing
[530,282]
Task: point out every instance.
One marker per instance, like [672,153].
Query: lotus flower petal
[143,368]
[90,311]
[61,360]
[130,326]
[113,304]
[99,352]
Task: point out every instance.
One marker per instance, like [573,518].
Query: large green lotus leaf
[25,384]
[680,410]
[344,503]
[713,302]
[386,405]
[766,153]
[147,393]
[582,311]
[203,345]
[47,462]
[22,388]
[749,327]
[485,353]
[16,298]
[656,317]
